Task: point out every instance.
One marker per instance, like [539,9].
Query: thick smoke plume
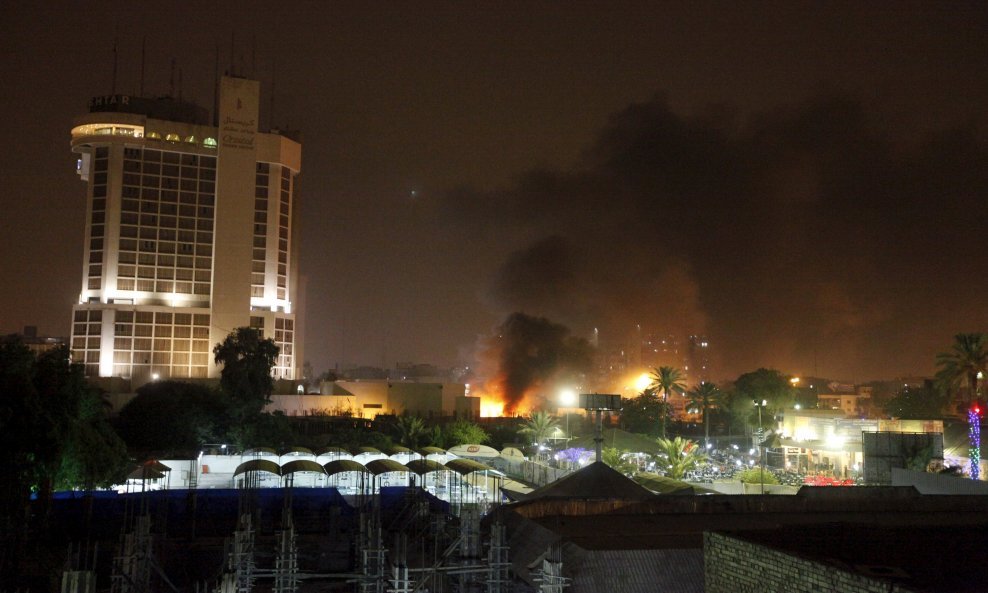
[809,238]
[527,358]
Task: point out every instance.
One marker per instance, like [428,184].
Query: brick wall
[733,565]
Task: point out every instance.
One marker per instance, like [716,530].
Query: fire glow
[493,404]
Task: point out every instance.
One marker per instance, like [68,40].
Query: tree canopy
[247,359]
[960,366]
[769,385]
[917,403]
[667,381]
[53,428]
[678,456]
[539,426]
[644,413]
[463,432]
[702,399]
[172,417]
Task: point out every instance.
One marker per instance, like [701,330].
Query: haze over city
[801,183]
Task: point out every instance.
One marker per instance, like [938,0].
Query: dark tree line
[54,433]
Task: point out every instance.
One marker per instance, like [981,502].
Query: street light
[568,398]
[761,439]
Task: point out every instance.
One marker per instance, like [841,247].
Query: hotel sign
[109,102]
[238,115]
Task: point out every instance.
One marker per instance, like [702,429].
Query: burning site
[524,361]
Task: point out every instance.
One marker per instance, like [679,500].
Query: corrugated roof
[639,571]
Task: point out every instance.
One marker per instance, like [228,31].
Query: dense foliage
[247,359]
[644,413]
[53,429]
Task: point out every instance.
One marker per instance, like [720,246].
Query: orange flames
[494,404]
[491,408]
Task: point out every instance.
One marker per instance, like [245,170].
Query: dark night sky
[803,182]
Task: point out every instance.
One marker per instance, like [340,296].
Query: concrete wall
[732,565]
[929,483]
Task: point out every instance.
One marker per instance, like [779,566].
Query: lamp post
[567,398]
[760,435]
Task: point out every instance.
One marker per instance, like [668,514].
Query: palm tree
[960,367]
[539,425]
[411,429]
[703,398]
[960,370]
[666,380]
[614,457]
[678,456]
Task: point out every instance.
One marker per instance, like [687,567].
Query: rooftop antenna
[253,56]
[274,72]
[113,83]
[216,88]
[179,85]
[171,80]
[233,71]
[144,43]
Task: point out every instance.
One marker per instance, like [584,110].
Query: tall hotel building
[190,233]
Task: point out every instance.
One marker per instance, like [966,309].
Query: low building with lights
[368,399]
[190,233]
[851,404]
[826,441]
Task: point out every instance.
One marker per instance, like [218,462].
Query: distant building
[698,360]
[828,441]
[852,404]
[190,233]
[36,343]
[660,350]
[370,398]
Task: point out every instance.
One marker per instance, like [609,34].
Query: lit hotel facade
[190,233]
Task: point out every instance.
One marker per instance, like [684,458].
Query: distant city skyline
[801,184]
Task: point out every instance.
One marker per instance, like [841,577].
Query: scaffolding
[372,552]
[550,576]
[286,561]
[498,561]
[79,575]
[132,563]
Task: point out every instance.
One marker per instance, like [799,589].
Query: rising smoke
[527,359]
[808,238]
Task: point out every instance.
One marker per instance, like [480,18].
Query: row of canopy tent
[435,477]
[361,454]
[377,467]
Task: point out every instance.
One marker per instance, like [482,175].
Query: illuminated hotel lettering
[238,133]
[108,100]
